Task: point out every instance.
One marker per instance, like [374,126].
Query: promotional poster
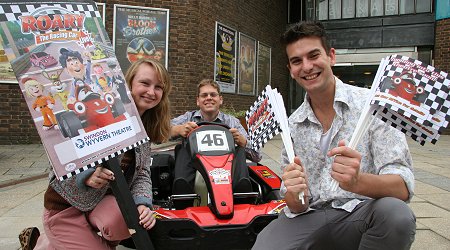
[6,72]
[225,58]
[71,81]
[264,66]
[140,32]
[247,65]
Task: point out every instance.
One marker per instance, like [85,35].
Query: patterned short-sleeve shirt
[384,149]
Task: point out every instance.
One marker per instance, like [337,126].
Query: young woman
[77,209]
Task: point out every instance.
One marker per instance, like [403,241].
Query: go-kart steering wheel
[212,123]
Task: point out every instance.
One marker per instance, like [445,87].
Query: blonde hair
[30,82]
[156,120]
[210,82]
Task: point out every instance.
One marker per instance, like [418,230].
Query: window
[335,9]
[376,8]
[362,8]
[406,6]
[348,8]
[423,6]
[345,9]
[309,9]
[390,7]
[322,9]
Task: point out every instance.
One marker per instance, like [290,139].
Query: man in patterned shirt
[368,211]
[209,100]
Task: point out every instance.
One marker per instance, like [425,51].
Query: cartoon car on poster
[42,60]
[90,112]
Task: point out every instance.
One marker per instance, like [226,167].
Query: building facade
[361,31]
[191,55]
[364,31]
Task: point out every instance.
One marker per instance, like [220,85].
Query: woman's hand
[146,217]
[99,178]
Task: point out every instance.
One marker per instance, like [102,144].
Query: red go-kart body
[221,224]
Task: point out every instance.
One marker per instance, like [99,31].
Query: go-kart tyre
[69,124]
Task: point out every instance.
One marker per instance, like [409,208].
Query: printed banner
[71,81]
[225,58]
[140,32]
[247,65]
[413,89]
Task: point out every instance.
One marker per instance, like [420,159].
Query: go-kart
[215,221]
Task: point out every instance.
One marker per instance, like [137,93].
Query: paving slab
[427,239]
[22,205]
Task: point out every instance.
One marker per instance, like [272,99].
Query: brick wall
[16,126]
[191,42]
[191,54]
[442,45]
[442,49]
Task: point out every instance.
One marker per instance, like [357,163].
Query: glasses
[212,94]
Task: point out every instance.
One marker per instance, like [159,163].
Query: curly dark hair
[65,54]
[306,29]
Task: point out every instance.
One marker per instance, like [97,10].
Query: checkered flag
[266,118]
[409,127]
[261,122]
[409,96]
[412,89]
[12,12]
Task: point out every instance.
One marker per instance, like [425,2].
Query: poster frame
[166,49]
[252,44]
[260,86]
[225,87]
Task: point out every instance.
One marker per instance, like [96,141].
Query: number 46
[216,140]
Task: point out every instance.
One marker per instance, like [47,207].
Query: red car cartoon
[90,112]
[42,60]
[404,86]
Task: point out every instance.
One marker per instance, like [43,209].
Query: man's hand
[183,129]
[295,181]
[239,139]
[99,178]
[345,168]
[294,178]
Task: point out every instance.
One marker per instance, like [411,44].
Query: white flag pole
[366,117]
[277,102]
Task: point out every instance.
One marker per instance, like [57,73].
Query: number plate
[211,140]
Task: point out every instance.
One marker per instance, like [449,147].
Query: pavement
[24,168]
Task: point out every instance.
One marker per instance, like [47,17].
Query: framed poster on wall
[247,65]
[225,58]
[102,9]
[264,66]
[140,32]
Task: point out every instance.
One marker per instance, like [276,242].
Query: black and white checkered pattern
[435,92]
[106,158]
[416,131]
[267,129]
[12,12]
